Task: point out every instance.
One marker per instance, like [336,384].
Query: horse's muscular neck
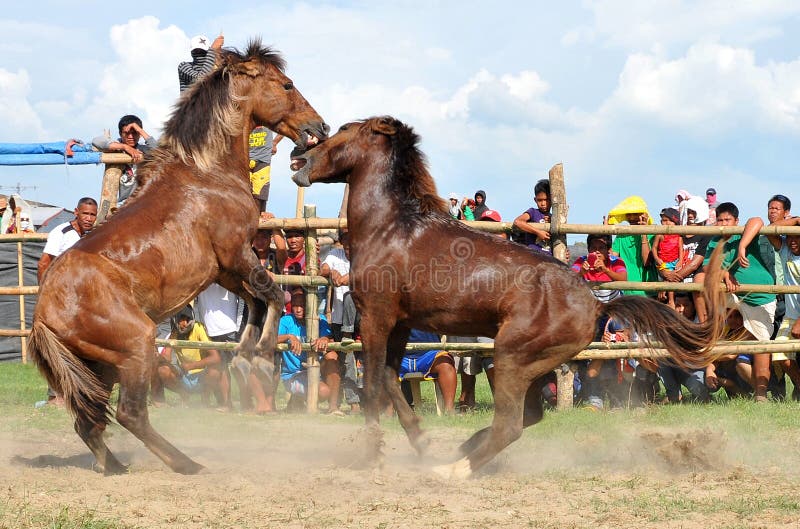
[375,211]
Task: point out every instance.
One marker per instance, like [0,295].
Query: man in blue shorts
[434,364]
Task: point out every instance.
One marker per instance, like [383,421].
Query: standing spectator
[788,247]
[193,370]
[262,146]
[743,263]
[468,209]
[480,203]
[61,238]
[634,249]
[454,208]
[292,331]
[599,265]
[65,235]
[711,200]
[218,309]
[534,237]
[695,211]
[668,249]
[204,57]
[130,132]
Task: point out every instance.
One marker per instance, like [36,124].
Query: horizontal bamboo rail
[595,350]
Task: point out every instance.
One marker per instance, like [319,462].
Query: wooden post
[109,190]
[301,195]
[565,375]
[20,280]
[312,313]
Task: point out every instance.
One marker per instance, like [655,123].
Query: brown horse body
[188,224]
[413,266]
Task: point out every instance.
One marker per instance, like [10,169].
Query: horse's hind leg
[132,412]
[92,434]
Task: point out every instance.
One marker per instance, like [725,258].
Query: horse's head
[259,80]
[333,160]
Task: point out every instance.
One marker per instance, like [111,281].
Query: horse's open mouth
[298,159]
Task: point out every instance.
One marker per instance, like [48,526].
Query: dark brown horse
[189,223]
[413,266]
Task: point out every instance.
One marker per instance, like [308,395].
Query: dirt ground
[299,472]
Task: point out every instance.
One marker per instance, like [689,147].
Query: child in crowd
[534,237]
[668,249]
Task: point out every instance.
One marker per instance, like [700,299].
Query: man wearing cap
[711,199]
[204,57]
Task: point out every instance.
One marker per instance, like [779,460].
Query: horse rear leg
[92,434]
[533,412]
[132,413]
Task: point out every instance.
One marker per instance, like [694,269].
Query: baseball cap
[711,191]
[199,42]
[491,214]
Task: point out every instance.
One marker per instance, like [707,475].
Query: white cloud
[18,117]
[711,90]
[143,79]
[637,25]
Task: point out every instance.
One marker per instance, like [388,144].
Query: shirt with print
[615,264]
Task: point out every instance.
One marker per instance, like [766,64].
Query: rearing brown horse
[189,223]
[413,266]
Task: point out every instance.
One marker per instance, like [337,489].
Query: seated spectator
[434,364]
[468,209]
[533,237]
[599,265]
[733,372]
[20,209]
[672,376]
[668,250]
[192,370]
[294,374]
[218,311]
[130,131]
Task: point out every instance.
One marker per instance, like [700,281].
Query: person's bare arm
[44,263]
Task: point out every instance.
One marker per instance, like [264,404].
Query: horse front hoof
[113,469]
[421,443]
[460,470]
[191,468]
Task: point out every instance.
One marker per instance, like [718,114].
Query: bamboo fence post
[20,280]
[312,313]
[109,190]
[565,375]
[298,209]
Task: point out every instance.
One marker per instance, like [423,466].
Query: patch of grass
[25,517]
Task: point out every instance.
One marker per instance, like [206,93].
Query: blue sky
[633,97]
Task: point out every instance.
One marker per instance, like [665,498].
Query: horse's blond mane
[206,115]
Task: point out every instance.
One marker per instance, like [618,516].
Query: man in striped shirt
[204,57]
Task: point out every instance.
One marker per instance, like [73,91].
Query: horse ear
[249,68]
[385,126]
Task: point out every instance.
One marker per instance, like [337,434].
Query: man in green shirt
[635,252]
[743,263]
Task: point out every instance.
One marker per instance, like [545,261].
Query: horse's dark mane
[204,117]
[411,181]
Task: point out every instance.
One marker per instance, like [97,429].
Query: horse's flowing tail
[84,395]
[690,344]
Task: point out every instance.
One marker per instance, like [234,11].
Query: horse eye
[288,86]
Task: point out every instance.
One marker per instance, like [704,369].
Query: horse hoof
[191,468]
[422,443]
[114,470]
[461,469]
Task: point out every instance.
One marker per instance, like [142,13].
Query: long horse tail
[690,344]
[84,395]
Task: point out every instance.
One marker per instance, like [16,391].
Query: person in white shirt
[60,239]
[218,310]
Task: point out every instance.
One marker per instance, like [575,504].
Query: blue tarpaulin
[53,153]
